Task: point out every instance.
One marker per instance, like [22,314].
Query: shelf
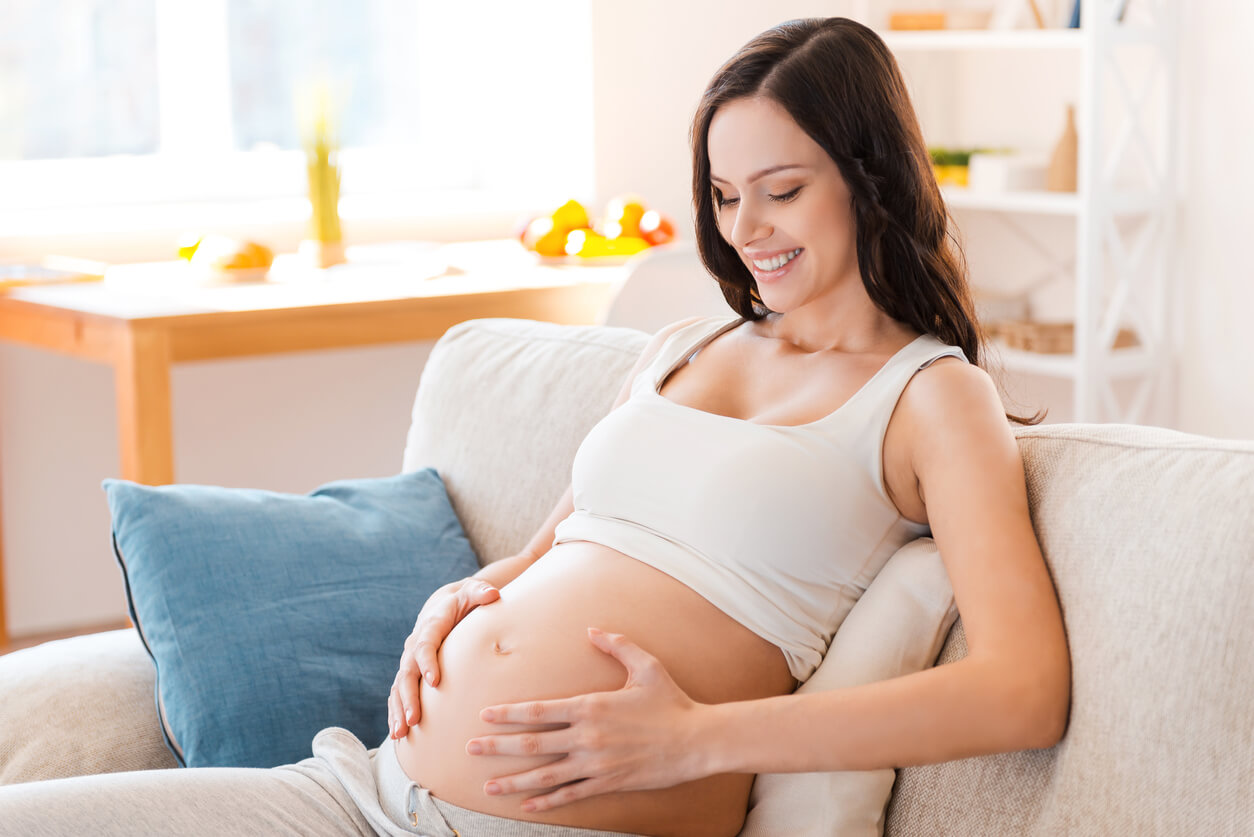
[956,39]
[1040,203]
[1046,203]
[1121,363]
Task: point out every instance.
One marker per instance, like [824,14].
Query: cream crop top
[780,527]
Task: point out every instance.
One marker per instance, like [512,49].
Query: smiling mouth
[775,262]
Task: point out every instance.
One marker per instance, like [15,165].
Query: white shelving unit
[1123,227]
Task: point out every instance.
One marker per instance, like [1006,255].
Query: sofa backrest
[1148,533]
[1149,537]
[502,406]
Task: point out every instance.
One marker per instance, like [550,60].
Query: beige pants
[344,789]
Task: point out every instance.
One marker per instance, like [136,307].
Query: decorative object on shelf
[1007,170]
[1036,14]
[916,20]
[1074,23]
[324,245]
[950,164]
[1047,338]
[1062,165]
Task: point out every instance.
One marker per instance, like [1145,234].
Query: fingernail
[474,748]
[409,715]
[396,730]
[492,787]
[529,807]
[430,678]
[486,715]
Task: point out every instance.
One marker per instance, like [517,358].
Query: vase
[1062,165]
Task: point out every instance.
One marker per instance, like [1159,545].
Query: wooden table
[143,318]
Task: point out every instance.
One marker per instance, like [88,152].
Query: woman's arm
[1011,692]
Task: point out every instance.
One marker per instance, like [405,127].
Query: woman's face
[781,204]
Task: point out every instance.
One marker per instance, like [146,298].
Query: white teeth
[777,262]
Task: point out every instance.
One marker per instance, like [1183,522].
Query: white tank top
[780,527]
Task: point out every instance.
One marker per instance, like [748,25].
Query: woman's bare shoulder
[952,409]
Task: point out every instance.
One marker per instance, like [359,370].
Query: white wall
[284,423]
[1215,271]
[289,423]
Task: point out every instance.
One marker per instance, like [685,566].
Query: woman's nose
[749,226]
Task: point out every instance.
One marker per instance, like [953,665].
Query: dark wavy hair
[840,83]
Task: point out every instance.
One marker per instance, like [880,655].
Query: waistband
[411,807]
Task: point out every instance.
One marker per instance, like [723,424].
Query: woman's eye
[722,201]
[787,196]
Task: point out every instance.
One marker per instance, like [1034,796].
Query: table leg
[4,619]
[142,381]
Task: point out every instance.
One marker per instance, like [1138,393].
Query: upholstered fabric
[502,406]
[79,706]
[1147,533]
[1149,536]
[271,616]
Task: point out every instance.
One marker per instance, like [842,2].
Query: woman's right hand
[446,607]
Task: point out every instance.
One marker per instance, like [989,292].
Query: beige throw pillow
[897,627]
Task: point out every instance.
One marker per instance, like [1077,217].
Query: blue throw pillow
[271,616]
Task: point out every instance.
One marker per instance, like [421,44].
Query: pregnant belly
[533,645]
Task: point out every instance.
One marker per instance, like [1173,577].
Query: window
[96,61]
[104,102]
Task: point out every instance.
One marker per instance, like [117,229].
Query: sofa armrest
[79,706]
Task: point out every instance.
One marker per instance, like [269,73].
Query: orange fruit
[545,238]
[571,216]
[536,229]
[625,245]
[657,228]
[622,216]
[585,242]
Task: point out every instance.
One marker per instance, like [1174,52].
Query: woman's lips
[773,275]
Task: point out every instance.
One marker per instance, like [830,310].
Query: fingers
[435,627]
[543,778]
[534,712]
[420,659]
[394,713]
[484,593]
[563,795]
[635,659]
[523,744]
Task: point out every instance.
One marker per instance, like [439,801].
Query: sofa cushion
[1148,537]
[501,408]
[896,628]
[271,616]
[74,707]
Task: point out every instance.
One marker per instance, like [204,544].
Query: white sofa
[1149,535]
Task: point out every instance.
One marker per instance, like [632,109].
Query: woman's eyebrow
[762,173]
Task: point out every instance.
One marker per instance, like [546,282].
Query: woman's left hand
[642,736]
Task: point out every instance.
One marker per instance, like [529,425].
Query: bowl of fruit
[217,259]
[568,234]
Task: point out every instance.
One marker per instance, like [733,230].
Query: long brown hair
[840,83]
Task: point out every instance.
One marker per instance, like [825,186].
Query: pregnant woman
[631,669]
